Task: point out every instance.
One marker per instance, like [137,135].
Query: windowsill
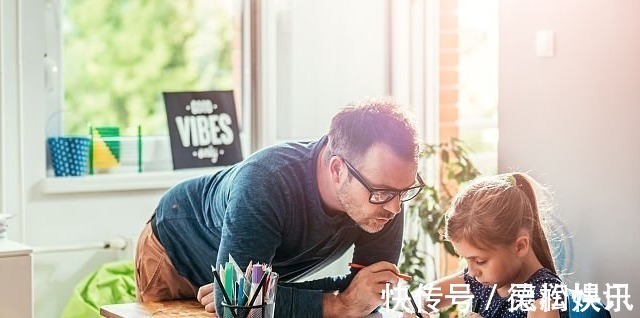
[160,180]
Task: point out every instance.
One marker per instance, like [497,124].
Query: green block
[111,137]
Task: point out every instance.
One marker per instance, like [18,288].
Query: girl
[495,226]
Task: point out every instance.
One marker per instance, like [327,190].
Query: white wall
[329,53]
[573,120]
[59,220]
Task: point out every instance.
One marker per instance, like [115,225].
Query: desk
[165,309]
[180,308]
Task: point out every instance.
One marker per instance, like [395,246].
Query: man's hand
[206,297]
[364,293]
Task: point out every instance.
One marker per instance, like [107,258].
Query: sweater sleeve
[370,248]
[252,231]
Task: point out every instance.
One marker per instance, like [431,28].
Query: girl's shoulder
[546,283]
[544,276]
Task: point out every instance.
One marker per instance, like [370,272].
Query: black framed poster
[203,129]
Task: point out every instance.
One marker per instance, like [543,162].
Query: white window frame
[415,81]
[24,87]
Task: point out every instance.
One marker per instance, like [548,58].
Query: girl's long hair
[493,210]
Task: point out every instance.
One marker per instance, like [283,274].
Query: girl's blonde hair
[492,210]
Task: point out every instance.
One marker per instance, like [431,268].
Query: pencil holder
[69,155]
[257,311]
[264,310]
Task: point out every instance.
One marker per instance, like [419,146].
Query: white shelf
[122,182]
[11,248]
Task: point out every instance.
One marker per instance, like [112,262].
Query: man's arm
[253,220]
[359,293]
[383,246]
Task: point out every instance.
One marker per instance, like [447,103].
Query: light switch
[545,43]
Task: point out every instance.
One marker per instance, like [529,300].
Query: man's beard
[356,213]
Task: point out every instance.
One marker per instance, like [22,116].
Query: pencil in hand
[415,306]
[403,276]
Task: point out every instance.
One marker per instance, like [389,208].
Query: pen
[258,290]
[413,303]
[230,281]
[358,266]
[224,292]
[257,274]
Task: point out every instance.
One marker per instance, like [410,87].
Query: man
[299,207]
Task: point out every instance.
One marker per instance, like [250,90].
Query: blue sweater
[267,208]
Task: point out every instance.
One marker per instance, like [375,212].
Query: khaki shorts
[156,278]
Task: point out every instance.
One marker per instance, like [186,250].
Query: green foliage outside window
[120,55]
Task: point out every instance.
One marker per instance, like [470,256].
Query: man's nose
[394,206]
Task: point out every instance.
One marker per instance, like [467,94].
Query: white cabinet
[16,288]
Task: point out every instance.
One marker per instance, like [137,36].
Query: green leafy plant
[429,208]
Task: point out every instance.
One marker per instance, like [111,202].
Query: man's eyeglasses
[381,196]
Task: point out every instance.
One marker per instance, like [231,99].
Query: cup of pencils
[251,294]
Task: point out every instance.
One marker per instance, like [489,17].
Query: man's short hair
[360,125]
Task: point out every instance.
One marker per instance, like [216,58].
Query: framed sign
[203,129]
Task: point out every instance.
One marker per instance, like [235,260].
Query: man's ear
[335,168]
[522,245]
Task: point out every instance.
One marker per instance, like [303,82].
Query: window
[108,62]
[468,104]
[479,81]
[469,78]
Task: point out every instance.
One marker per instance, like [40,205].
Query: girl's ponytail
[539,241]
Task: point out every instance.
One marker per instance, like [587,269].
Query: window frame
[52,92]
